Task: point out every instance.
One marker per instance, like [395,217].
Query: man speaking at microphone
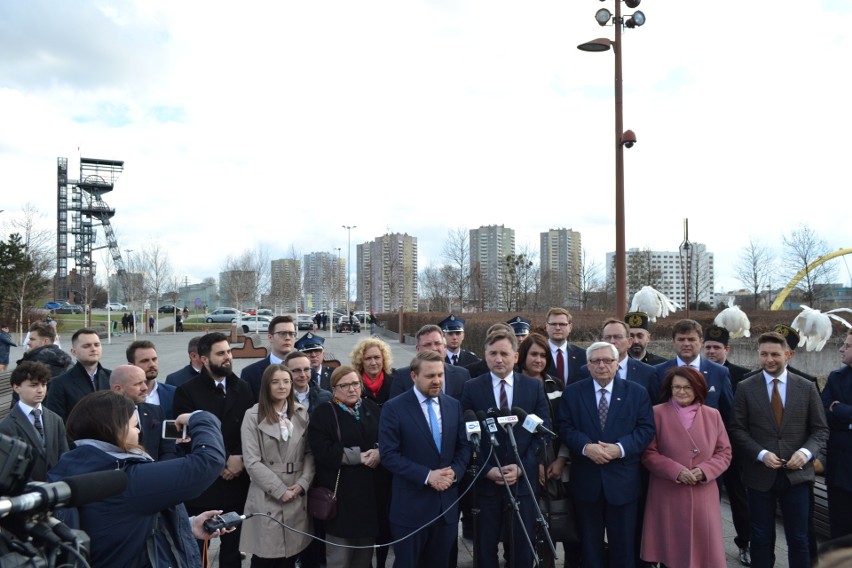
[422,443]
[501,388]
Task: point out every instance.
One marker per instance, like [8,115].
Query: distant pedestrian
[125,325]
[152,323]
[5,344]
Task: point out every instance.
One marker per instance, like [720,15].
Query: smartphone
[172,432]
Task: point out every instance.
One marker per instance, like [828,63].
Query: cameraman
[147,524]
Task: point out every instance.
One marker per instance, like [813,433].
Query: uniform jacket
[454,379]
[408,451]
[322,377]
[803,425]
[839,467]
[737,374]
[630,422]
[720,393]
[177,378]
[67,389]
[274,465]
[46,454]
[466,358]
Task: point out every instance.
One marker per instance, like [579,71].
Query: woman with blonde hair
[372,359]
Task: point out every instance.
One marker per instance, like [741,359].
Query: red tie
[560,365]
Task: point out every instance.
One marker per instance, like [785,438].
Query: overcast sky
[275,123]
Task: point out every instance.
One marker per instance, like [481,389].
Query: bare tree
[702,277]
[133,281]
[802,247]
[520,274]
[157,269]
[456,254]
[587,280]
[240,280]
[754,268]
[435,288]
[641,271]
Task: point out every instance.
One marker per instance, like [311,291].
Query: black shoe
[745,557]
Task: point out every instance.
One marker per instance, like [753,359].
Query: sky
[273,124]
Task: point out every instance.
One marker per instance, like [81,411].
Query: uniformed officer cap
[636,319]
[717,334]
[310,342]
[790,334]
[452,323]
[520,325]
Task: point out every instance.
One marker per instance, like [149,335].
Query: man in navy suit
[501,388]
[606,424]
[423,444]
[567,359]
[312,346]
[686,335]
[282,337]
[143,354]
[129,380]
[837,399]
[430,338]
[192,370]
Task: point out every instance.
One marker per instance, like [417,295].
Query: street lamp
[622,138]
[348,264]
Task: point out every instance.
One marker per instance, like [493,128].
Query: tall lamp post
[622,138]
[348,264]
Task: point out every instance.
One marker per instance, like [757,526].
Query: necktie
[455,359]
[560,365]
[777,407]
[504,399]
[603,409]
[220,390]
[37,422]
[433,422]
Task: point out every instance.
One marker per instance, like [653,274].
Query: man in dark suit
[430,338]
[282,337]
[85,377]
[423,444]
[778,426]
[129,380]
[716,349]
[686,336]
[312,346]
[219,391]
[837,400]
[143,354]
[30,421]
[641,336]
[192,370]
[617,333]
[567,359]
[453,329]
[503,389]
[606,424]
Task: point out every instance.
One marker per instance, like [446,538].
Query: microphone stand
[539,515]
[473,471]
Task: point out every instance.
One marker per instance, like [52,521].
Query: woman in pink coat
[683,518]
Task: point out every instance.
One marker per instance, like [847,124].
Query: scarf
[353,410]
[374,385]
[686,413]
[285,424]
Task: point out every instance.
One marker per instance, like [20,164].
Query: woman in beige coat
[279,462]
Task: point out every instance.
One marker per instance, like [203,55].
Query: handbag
[322,502]
[557,506]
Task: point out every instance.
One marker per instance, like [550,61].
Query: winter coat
[57,360]
[273,465]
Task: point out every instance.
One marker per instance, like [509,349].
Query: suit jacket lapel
[616,402]
[762,394]
[420,420]
[25,424]
[588,398]
[794,393]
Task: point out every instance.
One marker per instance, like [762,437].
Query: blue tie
[433,423]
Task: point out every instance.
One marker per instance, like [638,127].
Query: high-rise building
[560,264]
[489,247]
[669,272]
[387,273]
[324,281]
[286,285]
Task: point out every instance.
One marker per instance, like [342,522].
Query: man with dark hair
[129,380]
[192,370]
[31,422]
[617,333]
[779,426]
[641,336]
[307,393]
[430,338]
[282,336]
[143,354]
[219,391]
[453,329]
[791,336]
[43,349]
[312,346]
[502,388]
[567,359]
[85,377]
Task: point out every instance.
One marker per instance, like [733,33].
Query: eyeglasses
[348,386]
[601,361]
[285,333]
[558,324]
[684,388]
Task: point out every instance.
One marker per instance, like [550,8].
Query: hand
[772,461]
[441,479]
[512,473]
[182,423]
[554,470]
[686,477]
[293,492]
[797,460]
[612,450]
[198,525]
[541,474]
[233,468]
[597,453]
[370,458]
[698,474]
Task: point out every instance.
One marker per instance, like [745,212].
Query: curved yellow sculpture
[779,301]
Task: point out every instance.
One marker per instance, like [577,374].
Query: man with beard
[282,336]
[143,354]
[84,378]
[219,391]
[129,380]
[638,322]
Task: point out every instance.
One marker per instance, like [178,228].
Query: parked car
[52,305]
[167,309]
[223,315]
[255,324]
[344,325]
[116,307]
[265,312]
[304,321]
[66,308]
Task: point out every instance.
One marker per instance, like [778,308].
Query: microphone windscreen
[520,413]
[481,416]
[95,486]
[469,415]
[493,412]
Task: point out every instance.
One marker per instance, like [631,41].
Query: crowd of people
[337,465]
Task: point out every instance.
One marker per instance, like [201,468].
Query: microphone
[472,427]
[72,492]
[224,522]
[532,423]
[506,420]
[490,427]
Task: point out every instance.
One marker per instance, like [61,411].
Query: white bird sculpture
[814,327]
[734,320]
[653,303]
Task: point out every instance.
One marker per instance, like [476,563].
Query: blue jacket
[118,526]
[720,393]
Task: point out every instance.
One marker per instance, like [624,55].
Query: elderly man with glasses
[282,337]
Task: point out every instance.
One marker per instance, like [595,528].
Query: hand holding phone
[172,431]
